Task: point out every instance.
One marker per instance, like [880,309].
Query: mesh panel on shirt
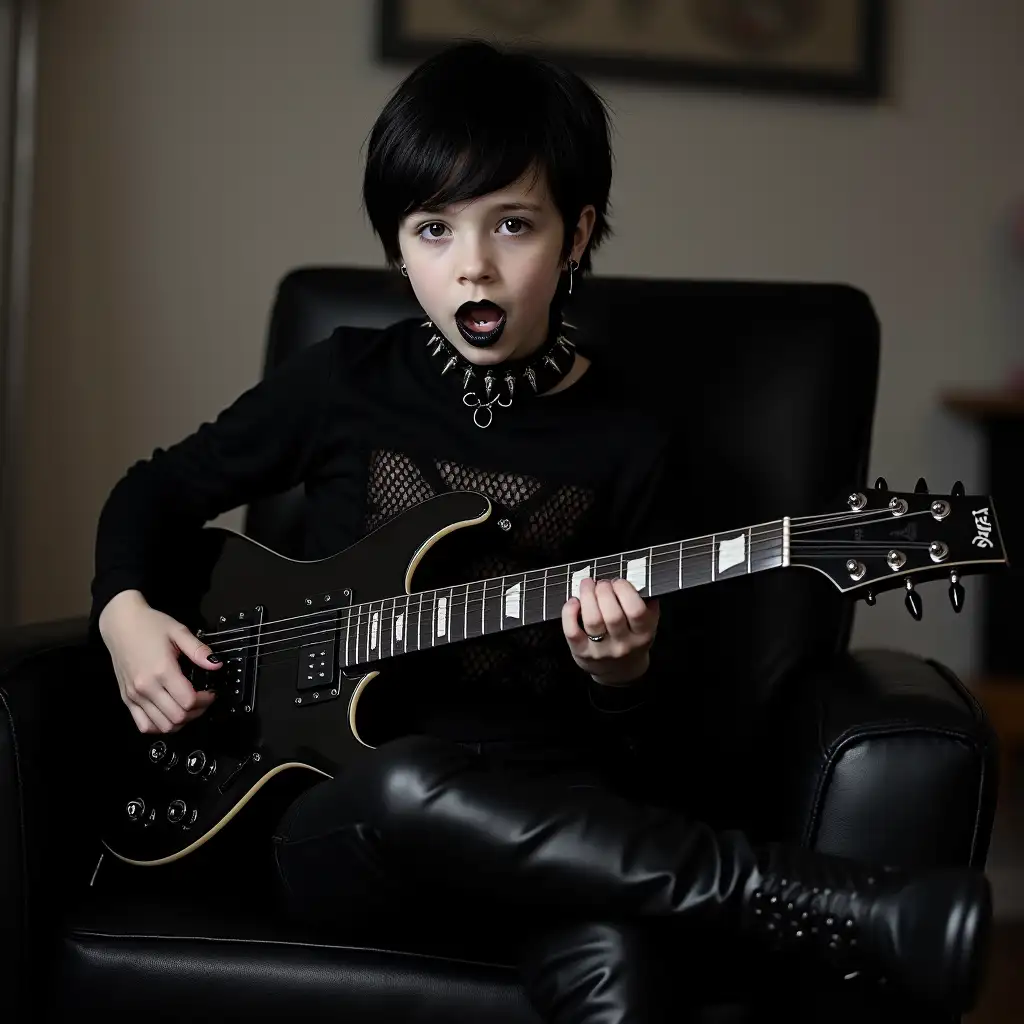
[544,521]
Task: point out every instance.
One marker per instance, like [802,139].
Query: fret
[544,590]
[664,569]
[419,623]
[394,622]
[465,615]
[483,610]
[403,627]
[607,567]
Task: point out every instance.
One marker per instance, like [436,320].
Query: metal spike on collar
[510,383]
[566,344]
[488,385]
[432,339]
[531,377]
[467,377]
[551,359]
[447,366]
[440,347]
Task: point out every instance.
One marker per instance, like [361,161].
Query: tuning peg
[956,592]
[913,601]
[881,485]
[921,487]
[869,597]
[958,490]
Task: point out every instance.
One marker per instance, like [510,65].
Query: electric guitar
[301,641]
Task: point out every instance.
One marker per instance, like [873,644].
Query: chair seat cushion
[175,960]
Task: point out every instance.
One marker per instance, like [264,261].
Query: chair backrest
[769,389]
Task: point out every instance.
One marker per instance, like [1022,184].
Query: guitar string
[473,600]
[413,612]
[698,548]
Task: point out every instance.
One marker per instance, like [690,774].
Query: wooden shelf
[986,405]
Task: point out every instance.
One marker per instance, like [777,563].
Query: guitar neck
[411,622]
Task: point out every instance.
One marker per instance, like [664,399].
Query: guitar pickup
[316,665]
[236,639]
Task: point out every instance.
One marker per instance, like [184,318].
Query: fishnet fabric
[543,522]
[395,486]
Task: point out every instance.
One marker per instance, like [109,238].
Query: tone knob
[158,751]
[176,811]
[135,809]
[195,762]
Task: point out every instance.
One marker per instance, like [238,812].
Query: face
[503,249]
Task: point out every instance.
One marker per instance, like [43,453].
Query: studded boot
[926,935]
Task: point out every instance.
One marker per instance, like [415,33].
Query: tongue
[481,319]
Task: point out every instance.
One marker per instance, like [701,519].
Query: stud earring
[405,271]
[573,265]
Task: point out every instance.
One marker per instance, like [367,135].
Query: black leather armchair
[779,728]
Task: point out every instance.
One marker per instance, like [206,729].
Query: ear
[584,229]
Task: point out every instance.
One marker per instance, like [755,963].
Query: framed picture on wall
[831,48]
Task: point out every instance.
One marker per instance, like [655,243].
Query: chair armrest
[17,641]
[54,697]
[883,756]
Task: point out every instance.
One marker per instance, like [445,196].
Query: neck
[410,622]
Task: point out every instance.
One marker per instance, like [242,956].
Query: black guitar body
[286,712]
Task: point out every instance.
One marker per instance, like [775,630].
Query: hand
[144,645]
[627,625]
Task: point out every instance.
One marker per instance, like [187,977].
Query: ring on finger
[597,639]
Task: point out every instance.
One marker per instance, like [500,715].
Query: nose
[475,264]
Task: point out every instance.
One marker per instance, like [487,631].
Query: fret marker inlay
[636,572]
[578,577]
[399,624]
[731,551]
[374,625]
[512,602]
[442,610]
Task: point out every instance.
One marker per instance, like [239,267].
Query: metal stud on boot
[925,934]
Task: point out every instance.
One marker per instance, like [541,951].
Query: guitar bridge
[237,641]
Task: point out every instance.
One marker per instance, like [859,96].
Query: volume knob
[135,809]
[176,811]
[195,762]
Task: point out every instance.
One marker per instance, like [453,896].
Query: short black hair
[472,119]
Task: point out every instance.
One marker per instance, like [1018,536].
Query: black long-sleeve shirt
[367,424]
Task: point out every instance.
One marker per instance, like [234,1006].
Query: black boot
[435,812]
[926,934]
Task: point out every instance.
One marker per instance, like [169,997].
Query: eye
[432,232]
[515,225]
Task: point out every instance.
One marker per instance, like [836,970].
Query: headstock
[886,539]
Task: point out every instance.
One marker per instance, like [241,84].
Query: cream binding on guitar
[302,641]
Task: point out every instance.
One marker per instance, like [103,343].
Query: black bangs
[472,120]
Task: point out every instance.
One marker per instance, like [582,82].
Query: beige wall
[191,152]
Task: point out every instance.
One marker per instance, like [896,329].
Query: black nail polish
[213,658]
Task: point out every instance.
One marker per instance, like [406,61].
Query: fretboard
[380,629]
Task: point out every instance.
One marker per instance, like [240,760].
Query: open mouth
[480,323]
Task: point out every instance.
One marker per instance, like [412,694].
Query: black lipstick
[473,313]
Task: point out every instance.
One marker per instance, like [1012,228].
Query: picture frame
[826,48]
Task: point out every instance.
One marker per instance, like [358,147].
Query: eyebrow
[500,208]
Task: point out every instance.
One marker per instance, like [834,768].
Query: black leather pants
[584,873]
